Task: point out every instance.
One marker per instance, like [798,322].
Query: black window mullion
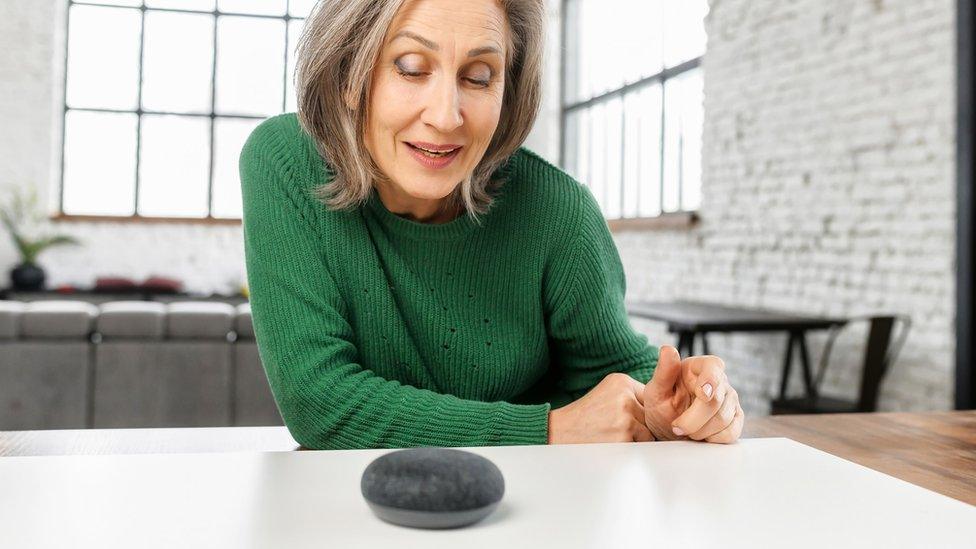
[64,105]
[179,10]
[142,40]
[213,115]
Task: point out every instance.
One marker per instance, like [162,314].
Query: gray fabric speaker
[432,487]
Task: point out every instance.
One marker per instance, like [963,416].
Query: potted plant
[19,214]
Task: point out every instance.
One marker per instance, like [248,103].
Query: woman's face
[438,84]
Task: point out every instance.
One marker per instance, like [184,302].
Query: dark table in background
[689,319]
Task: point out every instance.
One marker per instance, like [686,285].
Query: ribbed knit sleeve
[588,324]
[327,398]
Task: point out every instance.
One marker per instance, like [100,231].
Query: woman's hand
[611,411]
[675,398]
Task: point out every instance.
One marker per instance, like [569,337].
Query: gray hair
[336,55]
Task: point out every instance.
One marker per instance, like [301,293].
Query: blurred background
[778,175]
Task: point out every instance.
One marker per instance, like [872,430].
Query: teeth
[432,153]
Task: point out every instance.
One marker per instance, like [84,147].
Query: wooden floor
[935,450]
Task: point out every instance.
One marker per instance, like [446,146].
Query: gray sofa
[73,364]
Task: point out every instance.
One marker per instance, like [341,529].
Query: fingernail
[677,431]
[708,389]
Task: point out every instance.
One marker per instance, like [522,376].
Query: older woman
[417,277]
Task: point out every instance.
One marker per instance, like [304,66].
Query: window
[160,96]
[632,103]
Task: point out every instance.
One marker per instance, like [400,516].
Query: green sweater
[376,331]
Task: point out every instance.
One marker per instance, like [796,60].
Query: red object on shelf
[159,284]
[114,284]
[66,289]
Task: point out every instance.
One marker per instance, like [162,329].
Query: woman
[419,279]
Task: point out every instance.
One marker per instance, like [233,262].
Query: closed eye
[408,74]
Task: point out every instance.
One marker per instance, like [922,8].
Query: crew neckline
[456,228]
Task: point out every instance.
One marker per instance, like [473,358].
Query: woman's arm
[587,321]
[326,397]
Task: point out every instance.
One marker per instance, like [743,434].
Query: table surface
[695,316]
[760,492]
[935,450]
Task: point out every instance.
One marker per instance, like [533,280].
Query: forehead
[466,22]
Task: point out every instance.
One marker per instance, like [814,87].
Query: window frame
[139,111]
[665,220]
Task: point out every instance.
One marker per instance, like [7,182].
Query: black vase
[27,277]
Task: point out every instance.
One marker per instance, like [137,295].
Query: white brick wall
[828,188]
[828,182]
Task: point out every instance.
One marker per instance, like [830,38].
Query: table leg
[685,342]
[704,341]
[805,363]
[787,366]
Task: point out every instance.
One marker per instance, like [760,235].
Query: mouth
[435,151]
[433,159]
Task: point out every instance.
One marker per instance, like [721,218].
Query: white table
[769,492]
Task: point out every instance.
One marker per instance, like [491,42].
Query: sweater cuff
[521,424]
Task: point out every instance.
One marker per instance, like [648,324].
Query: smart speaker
[432,487]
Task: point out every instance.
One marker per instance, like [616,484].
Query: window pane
[570,137]
[639,36]
[300,8]
[583,147]
[632,154]
[693,117]
[682,140]
[103,57]
[195,5]
[598,153]
[684,30]
[133,3]
[231,133]
[178,62]
[250,65]
[614,126]
[649,139]
[605,51]
[174,165]
[294,33]
[99,163]
[257,7]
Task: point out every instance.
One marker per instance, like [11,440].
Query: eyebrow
[432,46]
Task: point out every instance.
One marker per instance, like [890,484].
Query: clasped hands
[685,399]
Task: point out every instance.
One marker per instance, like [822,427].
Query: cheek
[389,112]
[484,117]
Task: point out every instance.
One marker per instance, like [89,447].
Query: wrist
[553,418]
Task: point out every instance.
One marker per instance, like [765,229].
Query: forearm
[362,410]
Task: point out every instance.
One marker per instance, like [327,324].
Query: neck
[419,210]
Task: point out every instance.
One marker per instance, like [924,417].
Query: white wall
[828,187]
[827,181]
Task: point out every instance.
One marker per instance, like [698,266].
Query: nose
[443,109]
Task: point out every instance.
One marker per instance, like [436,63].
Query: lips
[432,147]
[431,160]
